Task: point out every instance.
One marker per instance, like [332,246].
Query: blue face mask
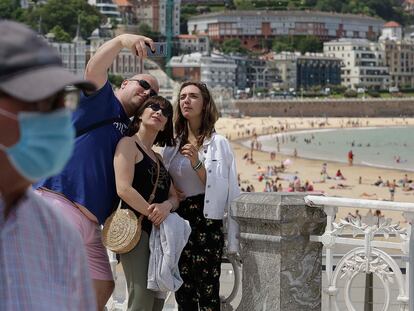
[45,145]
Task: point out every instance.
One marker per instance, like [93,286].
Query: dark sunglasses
[146,86]
[166,112]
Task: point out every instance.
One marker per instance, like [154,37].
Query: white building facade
[364,63]
[73,54]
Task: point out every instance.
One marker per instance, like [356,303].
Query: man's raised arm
[97,68]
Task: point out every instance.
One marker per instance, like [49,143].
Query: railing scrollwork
[367,256]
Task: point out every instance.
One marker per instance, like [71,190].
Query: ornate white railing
[368,255]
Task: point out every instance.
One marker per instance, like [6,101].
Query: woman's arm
[126,156]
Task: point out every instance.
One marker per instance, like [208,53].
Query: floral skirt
[200,261]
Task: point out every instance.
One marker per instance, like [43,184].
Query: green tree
[64,14]
[308,44]
[282,44]
[60,34]
[243,4]
[8,8]
[232,46]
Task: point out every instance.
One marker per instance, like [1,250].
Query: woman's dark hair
[208,119]
[164,137]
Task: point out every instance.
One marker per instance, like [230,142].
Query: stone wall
[402,107]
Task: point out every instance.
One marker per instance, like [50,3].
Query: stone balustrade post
[282,268]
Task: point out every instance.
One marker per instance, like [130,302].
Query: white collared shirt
[221,181]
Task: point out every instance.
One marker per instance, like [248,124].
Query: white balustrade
[368,255]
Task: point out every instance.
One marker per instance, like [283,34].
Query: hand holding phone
[160,50]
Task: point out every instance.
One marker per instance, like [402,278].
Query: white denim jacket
[221,183]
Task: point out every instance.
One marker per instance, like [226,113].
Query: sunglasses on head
[166,112]
[146,86]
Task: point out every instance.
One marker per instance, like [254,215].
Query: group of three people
[113,156]
[197,179]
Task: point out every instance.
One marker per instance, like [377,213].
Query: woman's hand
[191,153]
[159,211]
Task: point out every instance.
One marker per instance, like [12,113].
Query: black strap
[96,125]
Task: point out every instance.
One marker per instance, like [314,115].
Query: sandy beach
[310,170]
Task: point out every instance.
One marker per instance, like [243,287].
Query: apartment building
[399,55]
[286,64]
[215,70]
[251,27]
[316,69]
[364,62]
[154,14]
[107,8]
[187,44]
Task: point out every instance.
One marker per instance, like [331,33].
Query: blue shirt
[43,263]
[89,177]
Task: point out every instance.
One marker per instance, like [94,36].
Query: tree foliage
[9,9]
[232,46]
[301,44]
[386,9]
[62,13]
[60,34]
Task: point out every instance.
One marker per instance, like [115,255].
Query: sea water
[391,147]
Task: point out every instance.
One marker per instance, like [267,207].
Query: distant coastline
[287,148]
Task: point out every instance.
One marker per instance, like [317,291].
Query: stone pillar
[282,269]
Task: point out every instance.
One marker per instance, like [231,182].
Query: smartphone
[160,50]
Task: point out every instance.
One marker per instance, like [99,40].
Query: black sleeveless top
[145,176]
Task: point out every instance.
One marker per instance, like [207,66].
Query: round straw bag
[122,231]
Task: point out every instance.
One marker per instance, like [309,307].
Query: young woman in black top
[135,165]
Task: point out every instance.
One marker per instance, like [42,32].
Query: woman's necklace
[149,151]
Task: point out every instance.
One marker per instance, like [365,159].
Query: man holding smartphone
[85,189]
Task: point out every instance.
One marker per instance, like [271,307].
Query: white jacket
[166,245]
[221,183]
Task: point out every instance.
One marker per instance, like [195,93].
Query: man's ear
[124,83]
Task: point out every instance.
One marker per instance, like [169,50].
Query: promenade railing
[370,238]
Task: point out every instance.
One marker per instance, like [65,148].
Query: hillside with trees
[56,16]
[386,9]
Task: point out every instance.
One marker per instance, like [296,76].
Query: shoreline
[309,169]
[244,143]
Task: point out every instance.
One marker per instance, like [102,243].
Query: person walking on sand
[391,188]
[350,158]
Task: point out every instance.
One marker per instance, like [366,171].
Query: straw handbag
[122,230]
